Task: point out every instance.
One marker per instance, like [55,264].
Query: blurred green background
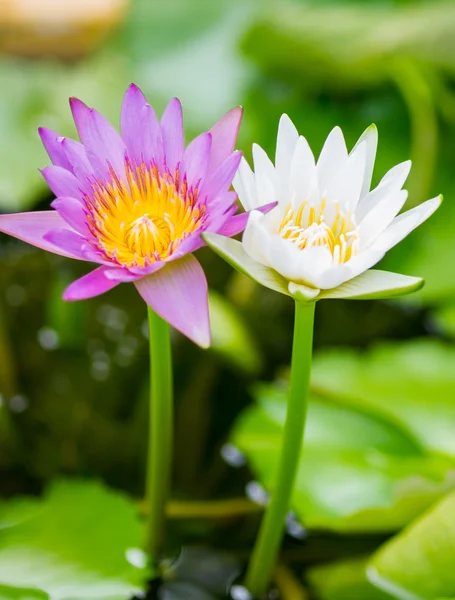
[73,377]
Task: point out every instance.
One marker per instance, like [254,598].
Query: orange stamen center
[145,218]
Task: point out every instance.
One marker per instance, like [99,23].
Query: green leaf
[231,338]
[357,473]
[20,593]
[344,580]
[80,540]
[412,385]
[418,563]
[373,285]
[36,94]
[232,251]
[348,47]
[443,319]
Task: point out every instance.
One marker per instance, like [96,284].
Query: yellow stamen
[307,227]
[143,219]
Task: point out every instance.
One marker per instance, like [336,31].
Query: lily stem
[265,553]
[160,444]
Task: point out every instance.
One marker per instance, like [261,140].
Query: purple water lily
[137,203]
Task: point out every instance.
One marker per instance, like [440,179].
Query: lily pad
[418,563]
[344,580]
[81,540]
[412,385]
[358,472]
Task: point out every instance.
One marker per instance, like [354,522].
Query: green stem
[265,553]
[159,460]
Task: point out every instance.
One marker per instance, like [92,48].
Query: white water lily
[327,228]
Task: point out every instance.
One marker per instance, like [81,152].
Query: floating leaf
[344,580]
[418,563]
[357,473]
[80,540]
[411,384]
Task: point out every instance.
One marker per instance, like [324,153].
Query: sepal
[232,252]
[374,285]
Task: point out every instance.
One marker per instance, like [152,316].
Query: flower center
[143,219]
[330,227]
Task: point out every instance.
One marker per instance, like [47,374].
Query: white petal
[300,266]
[403,225]
[380,217]
[255,237]
[346,185]
[392,181]
[370,136]
[285,146]
[265,175]
[303,176]
[338,274]
[283,256]
[245,185]
[333,155]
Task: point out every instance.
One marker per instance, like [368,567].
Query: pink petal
[121,274]
[92,284]
[68,242]
[237,223]
[196,158]
[98,136]
[221,179]
[53,143]
[62,182]
[72,211]
[33,227]
[140,128]
[172,130]
[178,293]
[142,271]
[234,225]
[79,161]
[224,135]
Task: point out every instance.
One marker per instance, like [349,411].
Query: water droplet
[126,351]
[48,338]
[257,493]
[239,592]
[233,456]
[101,365]
[18,403]
[136,557]
[294,527]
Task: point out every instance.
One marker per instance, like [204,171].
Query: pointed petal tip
[175,102]
[135,90]
[77,105]
[43,132]
[285,118]
[202,338]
